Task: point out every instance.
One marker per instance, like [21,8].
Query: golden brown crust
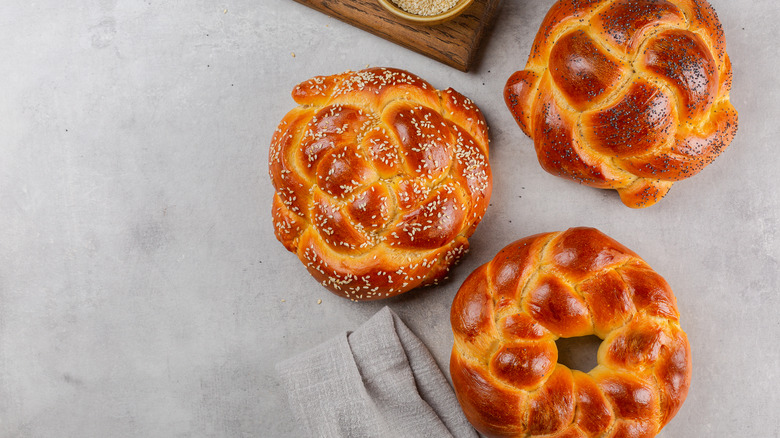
[509,312]
[630,95]
[380,179]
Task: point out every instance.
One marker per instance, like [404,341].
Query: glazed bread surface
[630,95]
[508,314]
[380,179]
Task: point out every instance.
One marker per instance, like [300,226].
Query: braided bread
[509,312]
[630,95]
[380,179]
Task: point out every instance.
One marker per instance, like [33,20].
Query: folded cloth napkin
[378,381]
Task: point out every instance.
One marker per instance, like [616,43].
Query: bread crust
[380,179]
[508,314]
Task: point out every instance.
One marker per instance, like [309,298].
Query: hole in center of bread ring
[580,353]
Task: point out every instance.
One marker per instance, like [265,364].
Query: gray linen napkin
[379,381]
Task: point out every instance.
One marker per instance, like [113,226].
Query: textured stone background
[141,285]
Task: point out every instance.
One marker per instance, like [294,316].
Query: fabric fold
[378,381]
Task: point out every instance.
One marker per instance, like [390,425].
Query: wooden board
[454,42]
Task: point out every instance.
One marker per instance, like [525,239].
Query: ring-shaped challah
[380,179]
[508,314]
[630,95]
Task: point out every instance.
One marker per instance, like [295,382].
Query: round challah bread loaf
[630,95]
[508,314]
[380,179]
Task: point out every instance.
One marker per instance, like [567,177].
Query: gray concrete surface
[142,291]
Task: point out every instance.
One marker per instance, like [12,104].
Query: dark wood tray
[454,42]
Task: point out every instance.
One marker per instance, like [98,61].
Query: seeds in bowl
[425,7]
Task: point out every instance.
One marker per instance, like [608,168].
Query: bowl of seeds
[427,12]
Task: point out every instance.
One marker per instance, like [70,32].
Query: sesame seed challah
[380,179]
